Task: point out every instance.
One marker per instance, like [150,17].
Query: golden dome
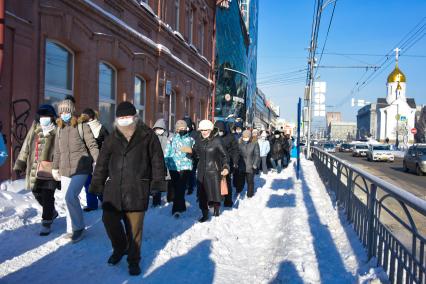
[396,76]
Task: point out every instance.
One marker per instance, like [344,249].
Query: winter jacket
[126,171]
[36,144]
[287,145]
[3,150]
[249,156]
[277,148]
[72,155]
[176,160]
[212,159]
[163,138]
[264,147]
[230,143]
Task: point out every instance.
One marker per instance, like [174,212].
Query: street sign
[414,130]
[168,87]
[403,118]
[397,117]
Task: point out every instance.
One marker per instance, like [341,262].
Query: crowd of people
[125,169]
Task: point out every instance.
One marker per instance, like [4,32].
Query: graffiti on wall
[21,111]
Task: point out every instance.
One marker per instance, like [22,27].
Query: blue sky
[370,27]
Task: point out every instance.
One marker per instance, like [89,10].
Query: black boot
[115,258]
[216,211]
[205,216]
[134,269]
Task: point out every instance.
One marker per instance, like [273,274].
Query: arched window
[140,96]
[107,94]
[59,72]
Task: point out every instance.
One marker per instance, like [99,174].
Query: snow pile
[289,232]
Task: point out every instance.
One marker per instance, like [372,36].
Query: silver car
[359,150]
[415,159]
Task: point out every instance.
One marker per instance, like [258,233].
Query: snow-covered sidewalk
[289,232]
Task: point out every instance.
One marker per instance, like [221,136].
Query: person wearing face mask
[277,151]
[231,148]
[264,148]
[178,156]
[248,163]
[163,135]
[130,167]
[36,152]
[238,126]
[90,117]
[213,163]
[75,152]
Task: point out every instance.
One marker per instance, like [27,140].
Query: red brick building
[155,53]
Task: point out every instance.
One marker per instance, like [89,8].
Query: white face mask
[45,121]
[125,121]
[159,131]
[221,133]
[277,136]
[246,139]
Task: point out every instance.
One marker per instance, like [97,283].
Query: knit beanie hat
[205,125]
[246,134]
[125,109]
[67,105]
[181,124]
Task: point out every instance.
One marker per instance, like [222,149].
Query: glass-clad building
[236,60]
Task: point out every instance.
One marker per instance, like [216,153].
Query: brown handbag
[223,186]
[44,168]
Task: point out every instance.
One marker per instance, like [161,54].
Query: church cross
[397,50]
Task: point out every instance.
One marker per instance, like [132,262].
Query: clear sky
[372,27]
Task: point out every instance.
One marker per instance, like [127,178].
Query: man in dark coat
[130,164]
[231,148]
[277,151]
[248,163]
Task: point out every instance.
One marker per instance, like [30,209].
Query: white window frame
[177,14]
[102,99]
[143,84]
[172,112]
[54,89]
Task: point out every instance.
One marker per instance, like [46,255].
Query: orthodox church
[395,114]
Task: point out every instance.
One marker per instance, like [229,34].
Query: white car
[360,150]
[380,152]
[329,147]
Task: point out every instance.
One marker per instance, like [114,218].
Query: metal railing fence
[389,221]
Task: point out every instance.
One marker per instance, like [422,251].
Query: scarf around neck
[95,126]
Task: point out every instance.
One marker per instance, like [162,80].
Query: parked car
[380,152]
[329,147]
[359,150]
[345,147]
[415,159]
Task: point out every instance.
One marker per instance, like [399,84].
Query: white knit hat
[205,125]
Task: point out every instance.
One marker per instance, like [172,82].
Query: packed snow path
[289,232]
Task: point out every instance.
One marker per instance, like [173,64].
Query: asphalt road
[390,172]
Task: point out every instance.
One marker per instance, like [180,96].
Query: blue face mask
[45,121]
[66,117]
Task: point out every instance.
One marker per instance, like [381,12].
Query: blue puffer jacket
[176,160]
[264,146]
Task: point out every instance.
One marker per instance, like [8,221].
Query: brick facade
[133,38]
